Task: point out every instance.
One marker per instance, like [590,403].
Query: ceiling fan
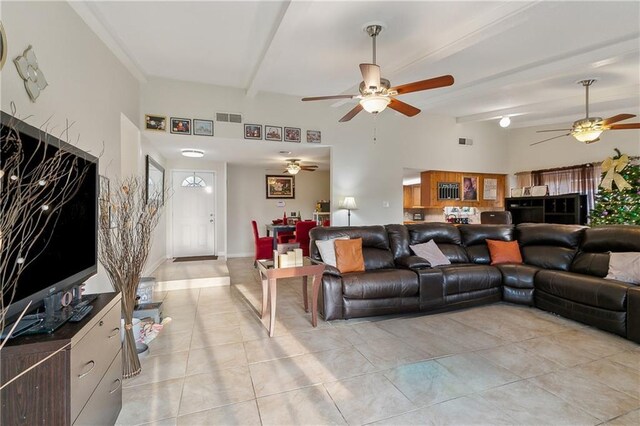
[294,166]
[376,93]
[589,129]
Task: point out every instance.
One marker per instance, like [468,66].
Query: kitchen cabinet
[445,188]
[411,196]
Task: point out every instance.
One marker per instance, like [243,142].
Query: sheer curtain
[583,179]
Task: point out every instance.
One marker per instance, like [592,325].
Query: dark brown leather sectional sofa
[563,272]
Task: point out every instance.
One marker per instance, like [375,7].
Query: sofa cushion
[349,255]
[518,276]
[584,289]
[469,277]
[375,244]
[474,239]
[327,250]
[549,246]
[593,257]
[445,235]
[431,253]
[379,284]
[624,267]
[504,252]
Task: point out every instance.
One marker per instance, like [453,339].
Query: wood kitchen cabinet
[411,196]
[430,195]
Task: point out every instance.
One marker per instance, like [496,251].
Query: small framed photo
[273,133]
[314,136]
[181,126]
[526,191]
[516,192]
[291,134]
[280,186]
[539,191]
[156,123]
[202,127]
[470,188]
[253,131]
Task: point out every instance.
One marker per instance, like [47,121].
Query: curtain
[583,179]
[523,179]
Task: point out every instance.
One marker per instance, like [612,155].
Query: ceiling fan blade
[370,75]
[313,166]
[626,126]
[324,98]
[403,108]
[616,118]
[308,169]
[553,130]
[555,137]
[348,116]
[432,83]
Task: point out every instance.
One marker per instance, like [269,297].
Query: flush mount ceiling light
[192,153]
[505,121]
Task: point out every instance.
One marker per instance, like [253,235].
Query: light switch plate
[385,204]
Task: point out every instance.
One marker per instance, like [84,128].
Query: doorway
[193,214]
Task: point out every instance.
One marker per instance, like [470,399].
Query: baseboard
[192,283]
[248,254]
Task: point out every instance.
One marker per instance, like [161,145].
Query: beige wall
[247,201]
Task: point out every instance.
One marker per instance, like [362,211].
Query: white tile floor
[497,364]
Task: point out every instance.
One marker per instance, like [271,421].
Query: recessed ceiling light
[194,153]
[505,121]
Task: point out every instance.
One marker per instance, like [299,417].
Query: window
[194,181]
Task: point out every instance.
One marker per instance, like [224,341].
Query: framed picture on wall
[291,134]
[253,131]
[280,186]
[314,136]
[273,133]
[181,126]
[202,127]
[470,188]
[157,123]
[489,189]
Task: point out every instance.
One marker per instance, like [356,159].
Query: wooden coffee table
[270,276]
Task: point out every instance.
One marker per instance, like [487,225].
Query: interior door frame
[215,208]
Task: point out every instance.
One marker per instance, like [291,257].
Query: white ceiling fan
[294,166]
[376,93]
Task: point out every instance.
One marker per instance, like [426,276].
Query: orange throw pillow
[504,252]
[349,255]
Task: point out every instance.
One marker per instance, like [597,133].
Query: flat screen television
[66,253]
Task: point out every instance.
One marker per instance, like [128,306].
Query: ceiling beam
[252,86]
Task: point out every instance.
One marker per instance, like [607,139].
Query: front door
[193,218]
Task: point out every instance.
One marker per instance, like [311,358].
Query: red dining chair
[264,245]
[326,222]
[302,235]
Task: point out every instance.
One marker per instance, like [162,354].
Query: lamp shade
[349,203]
[375,104]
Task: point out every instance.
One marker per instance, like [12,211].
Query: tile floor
[497,364]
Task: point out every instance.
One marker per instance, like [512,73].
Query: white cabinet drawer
[104,405]
[91,357]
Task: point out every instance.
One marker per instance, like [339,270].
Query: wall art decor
[155,181]
[470,188]
[155,122]
[291,134]
[253,131]
[202,127]
[516,192]
[3,46]
[273,133]
[314,136]
[489,189]
[280,186]
[30,72]
[181,126]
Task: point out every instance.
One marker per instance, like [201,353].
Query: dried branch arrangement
[35,183]
[124,244]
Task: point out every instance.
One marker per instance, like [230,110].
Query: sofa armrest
[412,262]
[328,269]
[633,314]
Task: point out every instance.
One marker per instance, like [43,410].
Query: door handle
[116,331]
[93,364]
[210,220]
[118,382]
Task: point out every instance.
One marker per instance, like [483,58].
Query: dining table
[276,229]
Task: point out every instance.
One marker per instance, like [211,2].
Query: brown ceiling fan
[376,93]
[589,129]
[294,166]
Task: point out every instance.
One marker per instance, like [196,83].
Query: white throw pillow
[327,249]
[624,267]
[431,253]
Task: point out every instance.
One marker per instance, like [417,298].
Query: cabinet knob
[101,323]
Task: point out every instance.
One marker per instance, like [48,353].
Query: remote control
[81,313]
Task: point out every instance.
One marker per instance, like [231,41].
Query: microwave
[418,216]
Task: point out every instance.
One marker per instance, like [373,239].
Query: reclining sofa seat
[463,283]
[381,289]
[580,291]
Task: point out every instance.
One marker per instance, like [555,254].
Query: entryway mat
[193,258]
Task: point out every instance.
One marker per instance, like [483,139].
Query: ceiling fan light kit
[376,93]
[294,166]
